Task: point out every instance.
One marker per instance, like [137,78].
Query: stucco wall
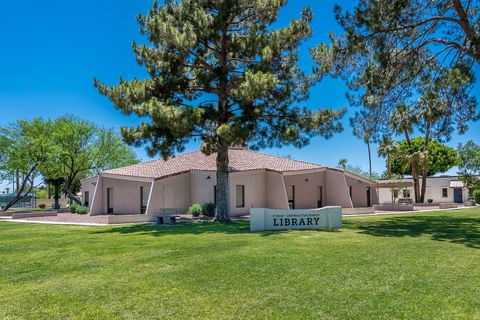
[275,191]
[202,189]
[126,195]
[170,193]
[337,190]
[96,206]
[89,185]
[306,188]
[359,192]
[255,191]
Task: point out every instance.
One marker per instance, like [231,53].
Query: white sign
[271,219]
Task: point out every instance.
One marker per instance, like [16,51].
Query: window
[444,192]
[109,200]
[319,197]
[369,197]
[291,196]
[406,193]
[395,193]
[144,195]
[240,193]
[215,195]
[86,199]
[350,190]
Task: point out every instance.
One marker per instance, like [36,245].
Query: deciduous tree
[469,164]
[83,149]
[25,147]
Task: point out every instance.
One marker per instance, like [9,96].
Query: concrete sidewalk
[384,213]
[7,219]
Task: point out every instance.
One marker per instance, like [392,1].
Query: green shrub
[42,206]
[73,207]
[430,200]
[195,210]
[476,196]
[209,209]
[82,210]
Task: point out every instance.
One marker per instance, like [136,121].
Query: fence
[29,201]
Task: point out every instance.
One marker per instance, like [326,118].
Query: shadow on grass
[460,230]
[238,227]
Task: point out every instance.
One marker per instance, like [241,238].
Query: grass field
[422,266]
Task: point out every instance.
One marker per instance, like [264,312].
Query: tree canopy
[62,151]
[83,149]
[388,45]
[441,158]
[220,73]
[408,66]
[469,164]
[25,148]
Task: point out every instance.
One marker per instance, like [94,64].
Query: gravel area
[74,218]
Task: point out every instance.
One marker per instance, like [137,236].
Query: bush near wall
[82,210]
[195,210]
[76,208]
[476,196]
[209,210]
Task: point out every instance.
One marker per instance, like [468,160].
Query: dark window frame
[444,192]
[86,198]
[319,196]
[291,202]
[109,205]
[143,209]
[215,195]
[242,204]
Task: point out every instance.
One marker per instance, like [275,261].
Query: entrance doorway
[369,198]
[458,195]
[319,197]
[291,196]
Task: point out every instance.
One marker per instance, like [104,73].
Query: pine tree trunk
[223,188]
[369,160]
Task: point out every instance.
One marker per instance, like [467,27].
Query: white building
[443,189]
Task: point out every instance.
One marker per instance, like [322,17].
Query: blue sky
[51,51]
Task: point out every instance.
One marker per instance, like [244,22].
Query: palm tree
[342,163]
[386,148]
[401,122]
[363,125]
[430,111]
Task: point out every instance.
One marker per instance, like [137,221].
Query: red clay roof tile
[240,160]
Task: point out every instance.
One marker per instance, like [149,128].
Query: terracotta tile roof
[240,160]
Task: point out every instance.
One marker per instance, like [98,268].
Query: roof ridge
[285,158]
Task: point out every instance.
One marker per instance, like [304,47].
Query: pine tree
[219,72]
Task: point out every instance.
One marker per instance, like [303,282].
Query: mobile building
[443,189]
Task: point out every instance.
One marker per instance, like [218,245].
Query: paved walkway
[8,219]
[185,219]
[382,213]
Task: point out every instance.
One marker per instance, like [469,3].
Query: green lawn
[423,266]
